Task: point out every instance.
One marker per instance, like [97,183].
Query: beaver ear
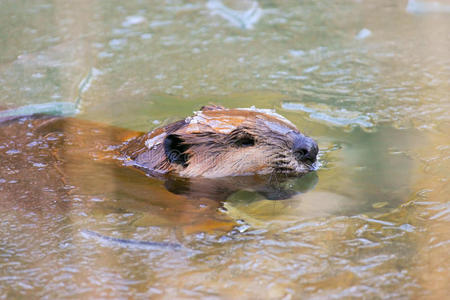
[211,107]
[175,150]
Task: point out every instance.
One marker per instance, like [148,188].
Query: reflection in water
[374,226]
[220,189]
[271,187]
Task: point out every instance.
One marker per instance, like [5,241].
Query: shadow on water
[271,187]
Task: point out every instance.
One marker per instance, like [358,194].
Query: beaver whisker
[284,160]
[284,170]
[282,165]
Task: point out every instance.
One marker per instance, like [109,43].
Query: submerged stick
[129,242]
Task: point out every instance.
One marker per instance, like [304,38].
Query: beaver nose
[305,149]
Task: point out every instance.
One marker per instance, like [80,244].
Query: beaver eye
[175,149]
[245,141]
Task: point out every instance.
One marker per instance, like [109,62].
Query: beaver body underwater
[48,164]
[219,142]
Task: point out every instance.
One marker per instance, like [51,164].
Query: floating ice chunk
[37,75]
[146,36]
[297,106]
[85,84]
[50,108]
[105,54]
[363,34]
[133,20]
[311,69]
[117,43]
[159,23]
[340,117]
[297,53]
[243,19]
[423,7]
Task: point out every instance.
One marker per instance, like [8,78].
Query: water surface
[368,80]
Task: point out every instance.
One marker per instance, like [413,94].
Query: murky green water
[368,80]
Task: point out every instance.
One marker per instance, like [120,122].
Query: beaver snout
[305,149]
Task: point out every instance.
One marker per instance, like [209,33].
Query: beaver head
[219,142]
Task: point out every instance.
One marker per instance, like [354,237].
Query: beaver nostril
[300,153]
[305,149]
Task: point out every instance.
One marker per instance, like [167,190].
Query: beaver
[214,143]
[220,142]
[49,163]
